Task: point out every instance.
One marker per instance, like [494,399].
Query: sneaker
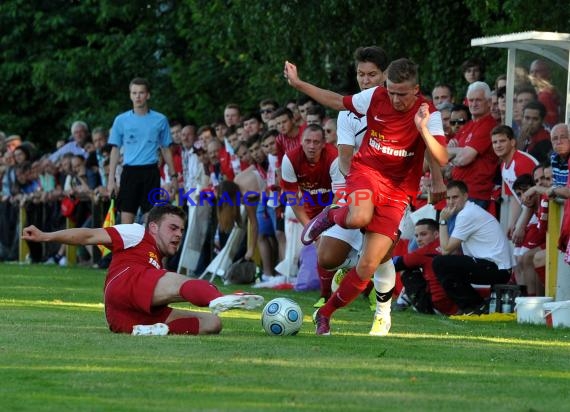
[62,261]
[270,283]
[381,325]
[320,303]
[158,329]
[337,278]
[235,301]
[317,225]
[482,309]
[322,323]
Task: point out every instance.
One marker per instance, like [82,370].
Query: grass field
[56,353]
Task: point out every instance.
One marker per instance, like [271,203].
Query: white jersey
[482,237]
[350,129]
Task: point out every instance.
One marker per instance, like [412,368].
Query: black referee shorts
[136,183]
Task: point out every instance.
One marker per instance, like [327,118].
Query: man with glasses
[266,109]
[330,131]
[384,174]
[459,117]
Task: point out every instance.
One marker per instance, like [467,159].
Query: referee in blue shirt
[140,132]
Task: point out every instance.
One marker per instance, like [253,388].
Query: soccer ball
[281,317]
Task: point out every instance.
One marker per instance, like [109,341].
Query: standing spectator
[266,109]
[534,138]
[445,110]
[140,132]
[12,142]
[255,179]
[384,174]
[94,165]
[80,137]
[547,94]
[316,115]
[458,118]
[514,163]
[232,114]
[289,134]
[473,159]
[524,94]
[291,104]
[442,93]
[330,131]
[487,258]
[304,103]
[252,125]
[473,70]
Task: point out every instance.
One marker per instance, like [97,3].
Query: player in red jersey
[308,170]
[384,174]
[137,289]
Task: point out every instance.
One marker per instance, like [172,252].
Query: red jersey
[312,179]
[226,164]
[132,247]
[392,149]
[422,258]
[285,144]
[480,173]
[521,163]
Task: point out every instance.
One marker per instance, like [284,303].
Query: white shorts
[351,236]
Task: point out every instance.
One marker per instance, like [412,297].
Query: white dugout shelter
[554,48]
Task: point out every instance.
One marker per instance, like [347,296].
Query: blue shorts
[265,217]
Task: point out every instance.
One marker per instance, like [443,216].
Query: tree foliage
[61,60]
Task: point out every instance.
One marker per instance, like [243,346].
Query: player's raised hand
[290,73]
[422,116]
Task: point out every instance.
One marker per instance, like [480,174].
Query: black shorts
[136,183]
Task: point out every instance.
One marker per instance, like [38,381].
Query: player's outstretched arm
[325,97]
[75,236]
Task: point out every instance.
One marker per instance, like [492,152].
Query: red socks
[338,215]
[199,292]
[326,278]
[184,326]
[350,288]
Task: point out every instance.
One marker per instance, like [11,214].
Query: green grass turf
[56,353]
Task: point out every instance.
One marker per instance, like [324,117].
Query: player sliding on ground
[383,175]
[137,290]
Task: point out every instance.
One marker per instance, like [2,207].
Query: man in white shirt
[487,257]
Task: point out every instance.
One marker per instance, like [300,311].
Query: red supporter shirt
[226,164]
[132,246]
[521,163]
[392,150]
[285,144]
[313,179]
[422,258]
[480,173]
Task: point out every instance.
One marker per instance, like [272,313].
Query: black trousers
[457,273]
[417,290]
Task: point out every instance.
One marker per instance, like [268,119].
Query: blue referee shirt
[140,136]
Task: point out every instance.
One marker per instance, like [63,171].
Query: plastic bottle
[493,302]
[506,306]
